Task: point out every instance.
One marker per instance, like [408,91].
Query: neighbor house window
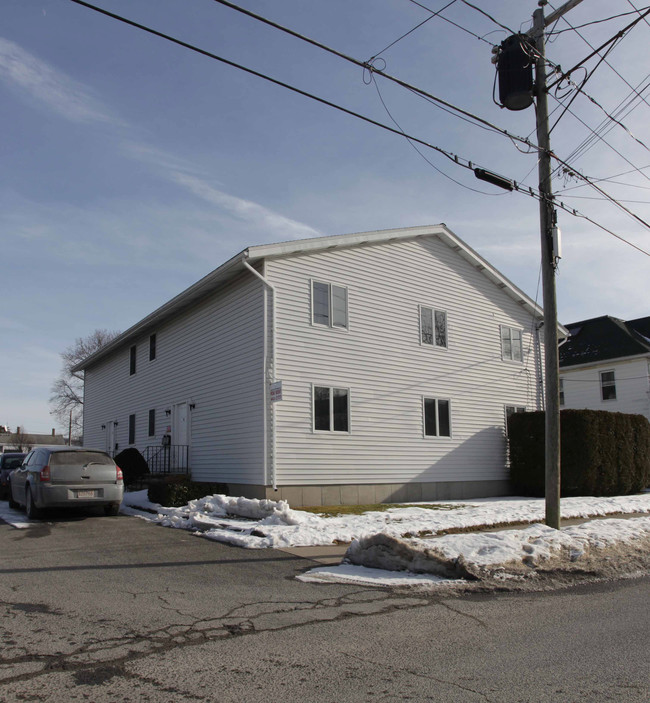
[329,305]
[152,423]
[132,360]
[561,391]
[607,385]
[152,347]
[131,429]
[331,409]
[437,417]
[511,346]
[433,326]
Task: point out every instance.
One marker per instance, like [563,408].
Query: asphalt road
[115,609]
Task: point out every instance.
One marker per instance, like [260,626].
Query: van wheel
[33,513]
[112,509]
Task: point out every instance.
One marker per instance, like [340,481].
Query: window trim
[331,431]
[330,287]
[609,385]
[510,330]
[132,359]
[433,344]
[437,436]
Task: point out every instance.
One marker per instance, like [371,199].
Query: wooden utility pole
[547,227]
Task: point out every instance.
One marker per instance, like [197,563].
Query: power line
[446,19]
[366,66]
[459,161]
[589,24]
[417,26]
[478,9]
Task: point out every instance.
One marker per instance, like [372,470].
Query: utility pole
[548,232]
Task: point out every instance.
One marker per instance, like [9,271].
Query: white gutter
[269,365]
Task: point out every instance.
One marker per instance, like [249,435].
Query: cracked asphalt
[116,609]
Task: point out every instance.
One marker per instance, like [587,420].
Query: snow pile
[260,524]
[516,552]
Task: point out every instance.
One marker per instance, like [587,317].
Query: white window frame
[330,287]
[436,436]
[607,385]
[521,337]
[331,389]
[434,343]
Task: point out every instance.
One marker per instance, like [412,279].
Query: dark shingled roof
[605,338]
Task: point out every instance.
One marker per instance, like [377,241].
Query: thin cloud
[27,73]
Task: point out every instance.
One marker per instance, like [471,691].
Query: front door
[180,429]
[111,438]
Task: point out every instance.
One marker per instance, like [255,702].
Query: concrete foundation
[367,494]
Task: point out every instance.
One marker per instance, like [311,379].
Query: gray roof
[233,267]
[604,339]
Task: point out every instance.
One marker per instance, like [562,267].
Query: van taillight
[45,473]
[119,473]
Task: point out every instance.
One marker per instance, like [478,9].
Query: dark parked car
[63,477]
[8,462]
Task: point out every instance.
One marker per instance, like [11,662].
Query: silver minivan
[63,477]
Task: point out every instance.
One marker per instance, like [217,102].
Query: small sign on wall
[276,391]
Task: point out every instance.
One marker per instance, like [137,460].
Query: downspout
[269,365]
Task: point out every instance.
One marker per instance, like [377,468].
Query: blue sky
[131,167]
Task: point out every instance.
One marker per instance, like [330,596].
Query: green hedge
[176,491]
[602,453]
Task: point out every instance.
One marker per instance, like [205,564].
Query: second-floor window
[607,385]
[511,345]
[329,305]
[152,347]
[132,360]
[433,326]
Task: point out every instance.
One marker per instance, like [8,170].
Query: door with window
[179,451]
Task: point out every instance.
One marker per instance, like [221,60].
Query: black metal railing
[168,459]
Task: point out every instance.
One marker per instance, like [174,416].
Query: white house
[605,365]
[351,369]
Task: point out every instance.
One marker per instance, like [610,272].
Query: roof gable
[603,339]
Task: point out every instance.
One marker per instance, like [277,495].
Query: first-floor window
[437,417]
[511,345]
[152,423]
[331,409]
[131,429]
[561,391]
[607,385]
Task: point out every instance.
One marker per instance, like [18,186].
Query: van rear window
[79,458]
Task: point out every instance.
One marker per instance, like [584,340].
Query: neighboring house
[395,354]
[605,365]
[23,441]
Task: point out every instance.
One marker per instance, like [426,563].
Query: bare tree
[68,389]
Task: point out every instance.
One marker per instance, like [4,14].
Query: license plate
[86,494]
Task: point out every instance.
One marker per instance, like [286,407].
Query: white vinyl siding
[583,389]
[213,360]
[382,359]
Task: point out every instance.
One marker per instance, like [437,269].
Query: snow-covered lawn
[407,546]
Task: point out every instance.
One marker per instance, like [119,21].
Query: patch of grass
[336,510]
